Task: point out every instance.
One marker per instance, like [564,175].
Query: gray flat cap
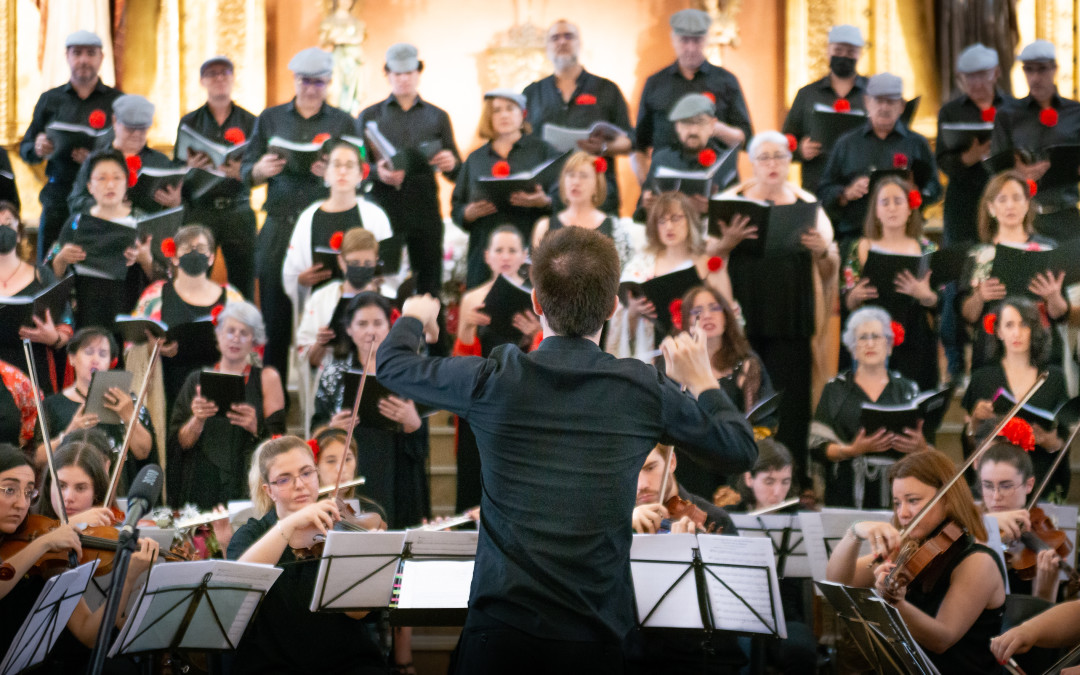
[975,58]
[691,105]
[846,34]
[313,62]
[218,60]
[402,58]
[885,85]
[1040,50]
[133,111]
[691,23]
[82,38]
[508,94]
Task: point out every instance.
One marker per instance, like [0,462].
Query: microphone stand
[126,545]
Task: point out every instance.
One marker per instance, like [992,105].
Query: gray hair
[768,137]
[247,314]
[861,316]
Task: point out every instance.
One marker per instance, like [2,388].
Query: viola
[1042,536]
[915,558]
[679,508]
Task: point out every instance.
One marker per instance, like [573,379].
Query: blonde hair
[486,130]
[358,239]
[583,159]
[259,473]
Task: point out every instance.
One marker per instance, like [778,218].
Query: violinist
[82,480]
[652,516]
[769,482]
[953,606]
[1057,627]
[1006,477]
[18,593]
[328,446]
[285,636]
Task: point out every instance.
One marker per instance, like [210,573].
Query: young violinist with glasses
[954,606]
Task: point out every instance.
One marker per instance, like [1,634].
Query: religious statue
[343,34]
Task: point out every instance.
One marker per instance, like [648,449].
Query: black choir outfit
[858,482]
[189,357]
[413,207]
[797,123]
[677,157]
[47,360]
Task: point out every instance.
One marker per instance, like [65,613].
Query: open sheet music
[784,530]
[357,571]
[822,529]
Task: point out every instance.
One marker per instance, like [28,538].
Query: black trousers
[54,213]
[234,231]
[491,648]
[270,249]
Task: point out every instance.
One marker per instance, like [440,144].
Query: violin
[679,508]
[915,558]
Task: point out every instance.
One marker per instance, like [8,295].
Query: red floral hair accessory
[215,313]
[395,314]
[897,333]
[365,170]
[1033,188]
[600,165]
[97,119]
[989,114]
[707,157]
[1019,433]
[335,240]
[134,163]
[914,199]
[168,247]
[1048,117]
[675,309]
[989,322]
[500,169]
[235,135]
[899,161]
[792,142]
[585,99]
[313,443]
[842,105]
[321,138]
[716,263]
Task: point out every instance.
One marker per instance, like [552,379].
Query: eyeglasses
[555,37]
[715,308]
[1005,488]
[772,158]
[285,481]
[316,82]
[672,219]
[869,337]
[10,492]
[981,76]
[1037,70]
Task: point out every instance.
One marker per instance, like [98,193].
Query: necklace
[18,266]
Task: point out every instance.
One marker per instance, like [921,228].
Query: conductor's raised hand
[424,308]
[687,359]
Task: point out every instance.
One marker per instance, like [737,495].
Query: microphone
[142,496]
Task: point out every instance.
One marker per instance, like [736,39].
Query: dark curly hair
[1040,334]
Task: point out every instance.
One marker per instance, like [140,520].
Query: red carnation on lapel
[97,119]
[1033,188]
[314,445]
[914,199]
[134,163]
[1019,433]
[989,114]
[707,157]
[600,165]
[1049,117]
[215,313]
[842,105]
[899,161]
[897,333]
[716,263]
[989,322]
[585,99]
[321,138]
[500,169]
[235,135]
[168,247]
[335,240]
[792,142]
[709,95]
[675,309]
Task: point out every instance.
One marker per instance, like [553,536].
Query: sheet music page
[796,562]
[169,584]
[657,561]
[822,529]
[43,625]
[435,544]
[348,558]
[435,584]
[747,568]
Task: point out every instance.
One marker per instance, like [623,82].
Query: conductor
[563,432]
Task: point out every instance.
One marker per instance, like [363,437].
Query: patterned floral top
[150,300]
[16,382]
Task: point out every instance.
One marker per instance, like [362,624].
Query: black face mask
[359,276]
[842,66]
[194,263]
[9,238]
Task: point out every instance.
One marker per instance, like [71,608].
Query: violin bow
[114,480]
[667,474]
[979,452]
[352,422]
[31,367]
[1053,467]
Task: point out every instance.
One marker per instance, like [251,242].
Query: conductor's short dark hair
[576,276]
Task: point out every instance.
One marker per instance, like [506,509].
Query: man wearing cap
[407,190]
[304,119]
[693,117]
[226,207]
[83,100]
[132,117]
[842,83]
[1031,125]
[883,143]
[575,98]
[690,74]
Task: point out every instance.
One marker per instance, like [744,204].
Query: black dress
[174,369]
[836,420]
[984,386]
[45,358]
[10,419]
[285,636]
[214,470]
[393,463]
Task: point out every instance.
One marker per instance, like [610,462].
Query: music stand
[878,630]
[47,618]
[823,529]
[789,543]
[202,605]
[434,579]
[357,571]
